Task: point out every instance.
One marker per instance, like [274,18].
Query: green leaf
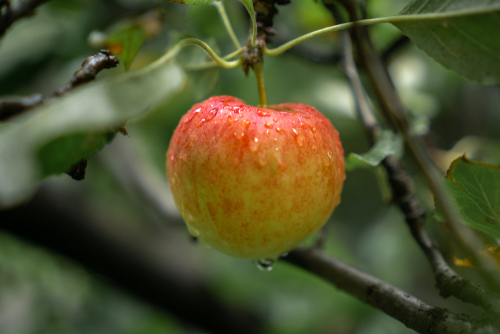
[59,154]
[96,108]
[459,34]
[125,38]
[474,188]
[387,144]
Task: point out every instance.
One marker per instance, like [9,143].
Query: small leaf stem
[227,23]
[211,64]
[388,19]
[193,41]
[259,73]
[249,7]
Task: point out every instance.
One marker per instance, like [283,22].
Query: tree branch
[91,66]
[20,9]
[57,222]
[400,305]
[405,196]
[395,112]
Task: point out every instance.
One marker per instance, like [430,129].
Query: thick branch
[12,13]
[400,305]
[57,223]
[404,194]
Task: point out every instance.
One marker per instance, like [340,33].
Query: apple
[254,182]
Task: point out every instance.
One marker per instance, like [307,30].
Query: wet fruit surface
[253,182]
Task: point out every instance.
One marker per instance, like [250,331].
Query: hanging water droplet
[211,114]
[265,264]
[193,230]
[284,254]
[190,116]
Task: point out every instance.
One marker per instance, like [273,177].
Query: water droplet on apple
[246,123]
[190,116]
[254,144]
[211,114]
[265,264]
[193,230]
[263,113]
[313,128]
[280,130]
[328,161]
[268,125]
[200,123]
[183,156]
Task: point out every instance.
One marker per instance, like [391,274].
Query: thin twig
[400,305]
[14,12]
[15,106]
[91,66]
[404,193]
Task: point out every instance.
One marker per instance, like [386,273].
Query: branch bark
[395,112]
[91,66]
[404,193]
[400,305]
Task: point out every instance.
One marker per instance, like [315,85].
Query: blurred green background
[44,292]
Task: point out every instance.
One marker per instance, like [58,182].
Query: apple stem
[259,73]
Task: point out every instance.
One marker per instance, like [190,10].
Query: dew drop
[236,110]
[300,140]
[280,130]
[211,114]
[265,264]
[263,113]
[267,132]
[254,144]
[200,123]
[268,125]
[284,254]
[275,120]
[183,156]
[193,230]
[295,132]
[313,128]
[190,116]
[246,123]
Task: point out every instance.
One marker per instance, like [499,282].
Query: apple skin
[254,182]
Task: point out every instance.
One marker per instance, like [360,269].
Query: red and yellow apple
[254,182]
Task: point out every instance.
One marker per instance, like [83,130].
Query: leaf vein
[485,48]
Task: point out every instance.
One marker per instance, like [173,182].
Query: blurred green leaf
[387,144]
[99,106]
[126,37]
[474,188]
[457,34]
[61,153]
